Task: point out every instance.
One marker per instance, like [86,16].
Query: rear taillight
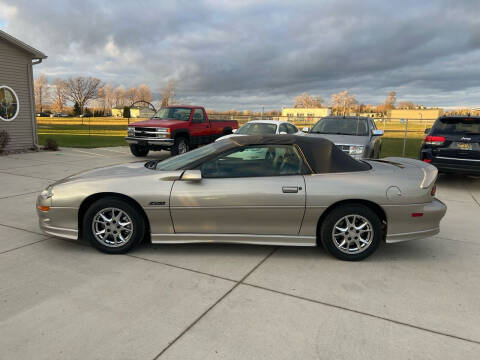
[434,190]
[427,160]
[434,140]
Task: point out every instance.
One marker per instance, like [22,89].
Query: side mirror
[234,131]
[305,129]
[427,131]
[192,175]
[377,132]
[283,132]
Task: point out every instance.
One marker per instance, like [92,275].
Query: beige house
[415,114]
[17,102]
[305,113]
[135,112]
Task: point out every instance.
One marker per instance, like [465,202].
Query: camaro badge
[157,203]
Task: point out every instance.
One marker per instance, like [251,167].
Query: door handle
[290,189]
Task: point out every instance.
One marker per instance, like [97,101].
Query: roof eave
[36,54]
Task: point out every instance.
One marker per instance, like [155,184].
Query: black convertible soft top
[322,155]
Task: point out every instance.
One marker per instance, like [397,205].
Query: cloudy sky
[242,54]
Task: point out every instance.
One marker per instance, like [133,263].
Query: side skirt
[284,240]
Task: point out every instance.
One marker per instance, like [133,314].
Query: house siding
[16,73]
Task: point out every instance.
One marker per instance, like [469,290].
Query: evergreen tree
[76,109]
[126,112]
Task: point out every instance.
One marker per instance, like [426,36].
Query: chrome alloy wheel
[182,147]
[352,234]
[112,227]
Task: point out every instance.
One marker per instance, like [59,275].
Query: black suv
[453,144]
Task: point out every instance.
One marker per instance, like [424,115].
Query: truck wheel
[139,150]
[180,146]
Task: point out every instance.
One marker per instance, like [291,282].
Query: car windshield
[181,162]
[257,129]
[341,126]
[458,125]
[176,113]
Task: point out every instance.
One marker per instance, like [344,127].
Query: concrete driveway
[64,300]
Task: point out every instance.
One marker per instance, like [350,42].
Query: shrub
[4,140]
[50,144]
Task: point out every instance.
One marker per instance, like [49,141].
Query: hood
[344,139]
[134,169]
[160,123]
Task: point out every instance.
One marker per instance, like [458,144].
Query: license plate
[464,146]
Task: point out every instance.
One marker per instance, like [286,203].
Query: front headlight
[356,149]
[47,193]
[131,131]
[163,132]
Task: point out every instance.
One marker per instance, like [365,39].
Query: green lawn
[83,141]
[394,147]
[83,128]
[390,147]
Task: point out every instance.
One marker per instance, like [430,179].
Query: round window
[8,104]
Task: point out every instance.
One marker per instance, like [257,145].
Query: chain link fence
[405,135]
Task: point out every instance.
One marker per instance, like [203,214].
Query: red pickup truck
[176,128]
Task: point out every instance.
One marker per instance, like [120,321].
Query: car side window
[283,129]
[255,161]
[198,116]
[291,129]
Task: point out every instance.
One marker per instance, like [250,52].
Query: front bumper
[149,141]
[400,218]
[64,233]
[58,221]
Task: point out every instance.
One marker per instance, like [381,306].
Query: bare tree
[105,98]
[391,100]
[167,94]
[131,95]
[59,96]
[308,101]
[109,97]
[81,90]
[343,102]
[119,96]
[144,93]
[41,91]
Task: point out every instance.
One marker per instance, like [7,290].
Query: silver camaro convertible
[273,190]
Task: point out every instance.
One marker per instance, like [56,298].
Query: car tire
[180,146]
[351,232]
[138,150]
[122,224]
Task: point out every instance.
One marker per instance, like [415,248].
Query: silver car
[357,136]
[272,190]
[264,127]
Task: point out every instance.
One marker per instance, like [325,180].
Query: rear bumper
[400,218]
[451,163]
[149,141]
[448,164]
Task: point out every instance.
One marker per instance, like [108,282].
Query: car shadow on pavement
[414,250]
